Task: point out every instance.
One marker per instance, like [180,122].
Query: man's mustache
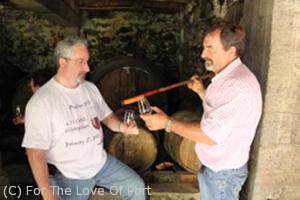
[208,61]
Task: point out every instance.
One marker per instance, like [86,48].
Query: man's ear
[232,51]
[62,62]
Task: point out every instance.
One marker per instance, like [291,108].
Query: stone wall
[198,15]
[151,36]
[273,54]
[27,41]
[170,42]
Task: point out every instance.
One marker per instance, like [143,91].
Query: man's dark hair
[41,76]
[232,35]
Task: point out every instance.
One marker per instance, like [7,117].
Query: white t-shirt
[66,124]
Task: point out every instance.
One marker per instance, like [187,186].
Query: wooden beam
[161,5]
[101,3]
[54,10]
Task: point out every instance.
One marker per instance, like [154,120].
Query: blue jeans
[115,176]
[221,185]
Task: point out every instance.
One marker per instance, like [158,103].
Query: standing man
[232,106]
[63,129]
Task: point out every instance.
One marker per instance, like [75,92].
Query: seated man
[70,136]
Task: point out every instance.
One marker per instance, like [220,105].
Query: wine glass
[128,116]
[144,106]
[18,111]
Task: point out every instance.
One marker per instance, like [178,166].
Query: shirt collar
[234,64]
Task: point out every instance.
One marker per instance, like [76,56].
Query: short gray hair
[64,48]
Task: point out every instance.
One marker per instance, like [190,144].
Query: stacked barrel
[125,77]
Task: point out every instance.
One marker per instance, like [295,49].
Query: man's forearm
[191,131]
[40,172]
[113,123]
[201,94]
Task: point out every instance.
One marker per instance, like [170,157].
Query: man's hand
[18,120]
[40,171]
[156,121]
[196,85]
[48,194]
[129,128]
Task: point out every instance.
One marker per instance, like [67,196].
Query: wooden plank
[97,3]
[55,10]
[158,5]
[170,177]
[30,5]
[103,3]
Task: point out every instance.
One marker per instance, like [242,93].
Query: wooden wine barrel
[182,150]
[124,77]
[137,151]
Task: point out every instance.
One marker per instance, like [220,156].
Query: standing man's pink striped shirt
[232,109]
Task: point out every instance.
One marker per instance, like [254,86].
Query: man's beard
[80,78]
[209,66]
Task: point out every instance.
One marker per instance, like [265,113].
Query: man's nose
[86,67]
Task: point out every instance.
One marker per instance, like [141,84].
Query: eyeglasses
[80,61]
